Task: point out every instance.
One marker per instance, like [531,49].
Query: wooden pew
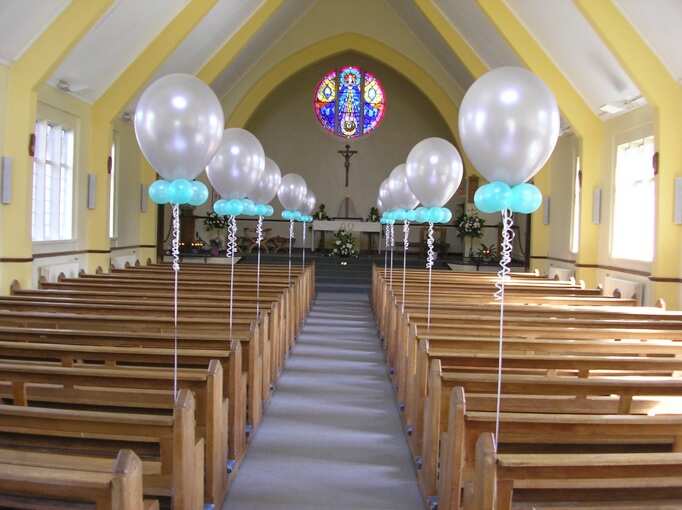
[640,478]
[129,391]
[177,471]
[38,481]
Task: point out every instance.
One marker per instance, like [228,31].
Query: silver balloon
[238,165]
[386,197]
[267,186]
[309,203]
[380,206]
[400,190]
[434,170]
[292,192]
[509,124]
[178,125]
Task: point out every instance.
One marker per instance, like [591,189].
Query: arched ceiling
[557,25]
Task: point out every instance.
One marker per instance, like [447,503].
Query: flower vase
[468,247]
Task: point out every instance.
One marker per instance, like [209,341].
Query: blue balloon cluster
[179,191]
[296,216]
[241,206]
[497,196]
[418,215]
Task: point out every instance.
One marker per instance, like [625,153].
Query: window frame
[67,122]
[632,136]
[113,191]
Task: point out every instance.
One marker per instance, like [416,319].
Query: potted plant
[373,215]
[345,246]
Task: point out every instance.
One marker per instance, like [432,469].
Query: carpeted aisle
[331,437]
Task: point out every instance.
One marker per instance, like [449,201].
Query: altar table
[367,227]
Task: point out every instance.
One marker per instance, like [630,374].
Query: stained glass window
[349,102]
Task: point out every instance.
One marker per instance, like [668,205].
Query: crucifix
[347,205]
[347,154]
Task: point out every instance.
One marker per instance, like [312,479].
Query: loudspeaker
[677,203]
[143,198]
[546,205]
[92,190]
[5,179]
[596,206]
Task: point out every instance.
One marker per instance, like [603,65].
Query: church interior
[318,255]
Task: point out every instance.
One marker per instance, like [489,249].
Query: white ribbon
[259,239]
[406,245]
[291,238]
[175,251]
[430,259]
[230,252]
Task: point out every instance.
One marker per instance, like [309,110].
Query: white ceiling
[423,29]
[660,24]
[113,43]
[586,61]
[22,21]
[272,31]
[472,23]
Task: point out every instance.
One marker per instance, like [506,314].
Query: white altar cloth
[350,225]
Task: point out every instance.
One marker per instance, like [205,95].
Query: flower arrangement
[487,253]
[321,213]
[345,245]
[215,222]
[373,214]
[469,225]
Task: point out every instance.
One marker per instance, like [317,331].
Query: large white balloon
[309,203]
[400,190]
[380,206]
[434,170]
[292,192]
[238,165]
[509,124]
[178,125]
[267,186]
[386,197]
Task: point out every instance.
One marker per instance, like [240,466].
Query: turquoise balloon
[422,215]
[159,192]
[441,215]
[181,191]
[270,211]
[493,197]
[411,215]
[447,215]
[234,207]
[261,210]
[286,214]
[249,207]
[525,198]
[199,193]
[219,207]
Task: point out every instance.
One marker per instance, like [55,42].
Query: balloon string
[231,252]
[406,245]
[386,249]
[259,239]
[175,251]
[303,263]
[502,277]
[430,259]
[291,238]
[391,231]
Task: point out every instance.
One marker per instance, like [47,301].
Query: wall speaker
[677,205]
[5,179]
[92,190]
[596,206]
[546,205]
[143,198]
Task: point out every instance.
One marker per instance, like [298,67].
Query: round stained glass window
[349,102]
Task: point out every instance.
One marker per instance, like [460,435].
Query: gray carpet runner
[331,437]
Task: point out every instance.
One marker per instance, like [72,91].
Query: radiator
[560,273]
[51,273]
[120,261]
[621,287]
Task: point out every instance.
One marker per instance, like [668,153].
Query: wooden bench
[638,477]
[176,471]
[44,481]
[130,391]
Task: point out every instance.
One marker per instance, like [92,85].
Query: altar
[366,227]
